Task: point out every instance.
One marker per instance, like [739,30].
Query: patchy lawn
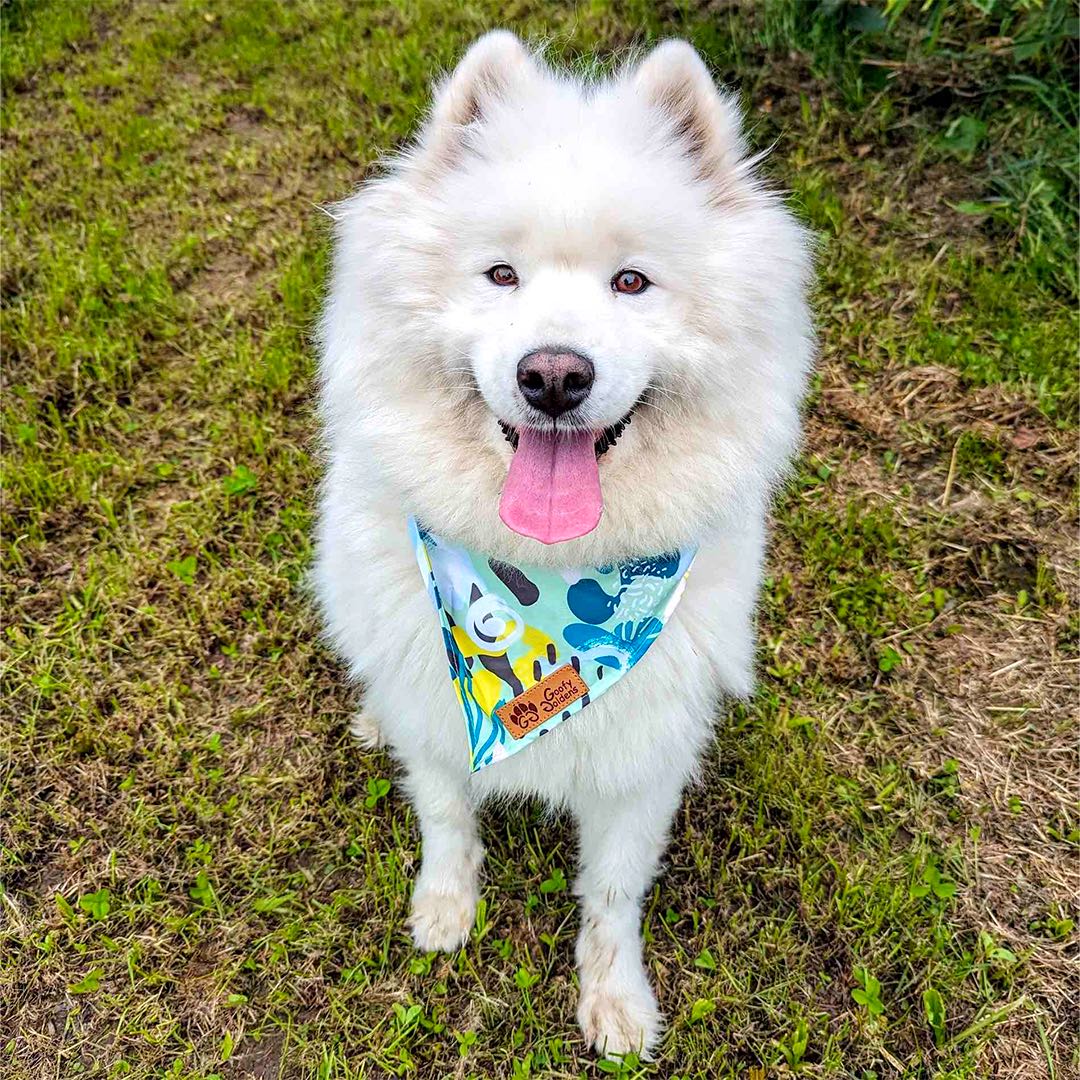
[201,876]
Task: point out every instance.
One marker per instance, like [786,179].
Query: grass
[201,876]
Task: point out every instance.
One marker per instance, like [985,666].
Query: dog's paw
[440,922]
[620,1019]
[365,730]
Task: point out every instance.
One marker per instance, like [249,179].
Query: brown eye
[502,275]
[630,281]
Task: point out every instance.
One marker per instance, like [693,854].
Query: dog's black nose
[555,382]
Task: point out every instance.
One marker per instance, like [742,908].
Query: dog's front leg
[621,844]
[447,887]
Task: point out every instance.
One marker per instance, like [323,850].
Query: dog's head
[571,295]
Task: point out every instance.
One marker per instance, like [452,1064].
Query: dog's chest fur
[656,718]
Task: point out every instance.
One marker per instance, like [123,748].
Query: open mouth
[606,440]
[552,490]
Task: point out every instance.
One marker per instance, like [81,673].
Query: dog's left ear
[674,80]
[494,67]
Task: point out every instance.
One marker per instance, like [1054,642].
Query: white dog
[552,257]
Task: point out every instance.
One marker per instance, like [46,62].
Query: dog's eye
[630,281]
[501,274]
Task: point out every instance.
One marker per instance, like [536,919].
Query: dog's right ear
[493,68]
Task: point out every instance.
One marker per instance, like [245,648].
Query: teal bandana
[529,647]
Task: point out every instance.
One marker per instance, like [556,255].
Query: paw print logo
[524,713]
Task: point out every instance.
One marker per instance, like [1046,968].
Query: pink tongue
[552,492]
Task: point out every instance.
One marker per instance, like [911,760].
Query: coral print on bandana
[529,647]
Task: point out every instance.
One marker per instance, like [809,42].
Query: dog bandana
[529,647]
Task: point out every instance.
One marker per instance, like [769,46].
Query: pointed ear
[674,80]
[495,66]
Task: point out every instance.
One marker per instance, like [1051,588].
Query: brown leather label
[540,702]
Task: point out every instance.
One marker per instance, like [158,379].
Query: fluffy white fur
[568,181]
